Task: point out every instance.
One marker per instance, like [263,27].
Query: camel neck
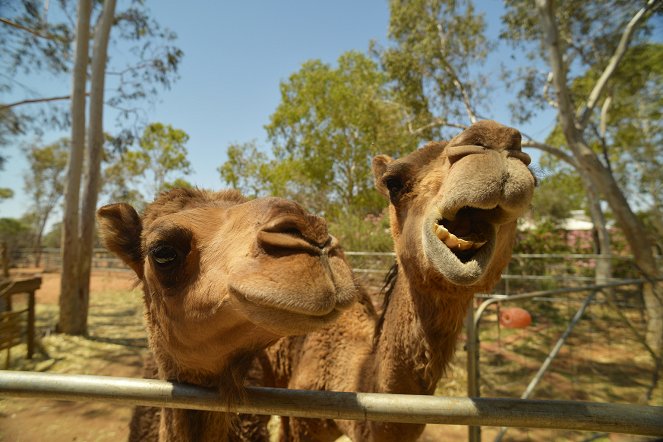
[193,425]
[200,425]
[418,337]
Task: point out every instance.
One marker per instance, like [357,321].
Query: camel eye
[394,183]
[164,255]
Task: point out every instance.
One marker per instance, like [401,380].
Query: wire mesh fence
[602,360]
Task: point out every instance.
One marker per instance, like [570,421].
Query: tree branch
[28,30]
[456,81]
[555,151]
[552,42]
[604,117]
[584,112]
[438,122]
[36,100]
[546,89]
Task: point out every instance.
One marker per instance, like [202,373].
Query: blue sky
[236,54]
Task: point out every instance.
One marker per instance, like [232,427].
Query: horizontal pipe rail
[569,415]
[542,293]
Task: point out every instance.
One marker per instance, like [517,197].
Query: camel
[223,277]
[453,212]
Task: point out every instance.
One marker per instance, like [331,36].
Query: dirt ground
[114,348]
[610,370]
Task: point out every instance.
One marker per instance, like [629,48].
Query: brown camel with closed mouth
[453,212]
[223,277]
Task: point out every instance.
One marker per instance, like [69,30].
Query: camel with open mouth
[453,212]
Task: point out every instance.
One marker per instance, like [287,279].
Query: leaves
[438,46]
[33,44]
[44,182]
[328,126]
[160,152]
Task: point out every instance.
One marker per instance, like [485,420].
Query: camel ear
[120,229]
[380,164]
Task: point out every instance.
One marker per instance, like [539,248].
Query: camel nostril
[290,234]
[455,153]
[519,154]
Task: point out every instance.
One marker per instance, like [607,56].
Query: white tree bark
[600,176]
[95,140]
[69,303]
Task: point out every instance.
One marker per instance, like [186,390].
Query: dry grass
[114,347]
[604,362]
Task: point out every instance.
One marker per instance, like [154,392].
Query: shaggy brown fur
[223,278]
[474,187]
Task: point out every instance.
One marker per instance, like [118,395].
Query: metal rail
[472,326]
[551,356]
[569,415]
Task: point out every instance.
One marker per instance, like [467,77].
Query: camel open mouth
[460,244]
[466,233]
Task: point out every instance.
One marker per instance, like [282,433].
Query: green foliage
[634,128]
[53,238]
[6,193]
[556,196]
[160,153]
[15,233]
[369,233]
[38,39]
[632,144]
[435,59]
[328,126]
[247,169]
[178,183]
[544,237]
[590,32]
[44,181]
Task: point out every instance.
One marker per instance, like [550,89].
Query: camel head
[223,275]
[454,205]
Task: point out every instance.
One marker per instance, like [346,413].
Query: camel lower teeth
[453,242]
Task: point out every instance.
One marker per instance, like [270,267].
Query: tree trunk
[40,234]
[5,259]
[603,269]
[69,301]
[95,142]
[603,180]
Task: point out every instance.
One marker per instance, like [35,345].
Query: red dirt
[62,421]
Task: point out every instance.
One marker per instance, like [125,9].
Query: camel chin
[280,321]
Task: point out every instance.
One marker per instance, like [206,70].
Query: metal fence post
[551,356]
[473,391]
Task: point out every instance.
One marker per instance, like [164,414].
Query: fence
[555,270]
[523,268]
[473,324]
[633,419]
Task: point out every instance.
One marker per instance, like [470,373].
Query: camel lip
[265,314]
[462,267]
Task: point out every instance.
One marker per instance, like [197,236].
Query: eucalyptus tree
[44,183]
[589,43]
[54,37]
[247,169]
[433,60]
[329,124]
